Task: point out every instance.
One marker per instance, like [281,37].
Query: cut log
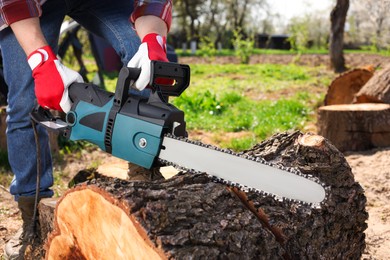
[355,127]
[377,89]
[191,217]
[342,89]
[179,218]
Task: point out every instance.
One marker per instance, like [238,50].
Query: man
[28,40]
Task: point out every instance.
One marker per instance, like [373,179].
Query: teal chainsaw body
[126,125]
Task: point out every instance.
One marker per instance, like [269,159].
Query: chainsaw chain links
[243,187]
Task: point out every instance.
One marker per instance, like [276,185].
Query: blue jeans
[108,19]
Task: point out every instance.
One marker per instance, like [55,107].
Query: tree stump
[377,89]
[355,127]
[342,89]
[191,217]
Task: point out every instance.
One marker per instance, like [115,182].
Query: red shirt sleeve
[15,10]
[162,9]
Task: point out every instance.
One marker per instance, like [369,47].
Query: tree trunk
[337,18]
[191,217]
[377,89]
[355,127]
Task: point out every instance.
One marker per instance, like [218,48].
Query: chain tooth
[257,159]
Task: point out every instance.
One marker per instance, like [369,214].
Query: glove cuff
[39,56]
[154,38]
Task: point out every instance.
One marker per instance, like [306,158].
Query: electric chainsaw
[149,130]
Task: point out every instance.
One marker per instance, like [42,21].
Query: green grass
[258,77]
[261,99]
[232,112]
[230,52]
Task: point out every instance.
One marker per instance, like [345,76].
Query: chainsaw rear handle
[178,73]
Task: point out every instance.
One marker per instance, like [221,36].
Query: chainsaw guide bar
[303,189]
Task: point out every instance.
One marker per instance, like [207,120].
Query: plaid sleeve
[162,9]
[15,10]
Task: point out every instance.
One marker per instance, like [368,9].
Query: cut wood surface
[355,127]
[342,89]
[191,217]
[377,89]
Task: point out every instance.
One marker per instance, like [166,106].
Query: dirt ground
[371,169]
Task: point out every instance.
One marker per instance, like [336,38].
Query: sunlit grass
[232,112]
[261,78]
[260,98]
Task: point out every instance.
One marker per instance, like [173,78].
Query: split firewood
[343,88]
[377,89]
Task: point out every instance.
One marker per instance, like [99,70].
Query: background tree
[187,14]
[215,22]
[337,18]
[369,23]
[217,19]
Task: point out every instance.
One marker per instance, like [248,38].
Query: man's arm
[23,18]
[150,24]
[12,11]
[152,16]
[51,77]
[29,34]
[152,19]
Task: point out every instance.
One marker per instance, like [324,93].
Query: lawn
[257,99]
[253,101]
[243,103]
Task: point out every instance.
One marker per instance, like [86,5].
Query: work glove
[52,79]
[153,47]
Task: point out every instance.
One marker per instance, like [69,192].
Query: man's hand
[153,47]
[52,79]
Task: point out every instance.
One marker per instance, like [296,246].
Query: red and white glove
[52,79]
[153,47]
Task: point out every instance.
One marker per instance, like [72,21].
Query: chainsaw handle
[126,77]
[178,74]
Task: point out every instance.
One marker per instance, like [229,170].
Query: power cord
[30,235]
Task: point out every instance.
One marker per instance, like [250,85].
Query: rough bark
[342,89]
[337,19]
[377,89]
[46,209]
[355,127]
[190,217]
